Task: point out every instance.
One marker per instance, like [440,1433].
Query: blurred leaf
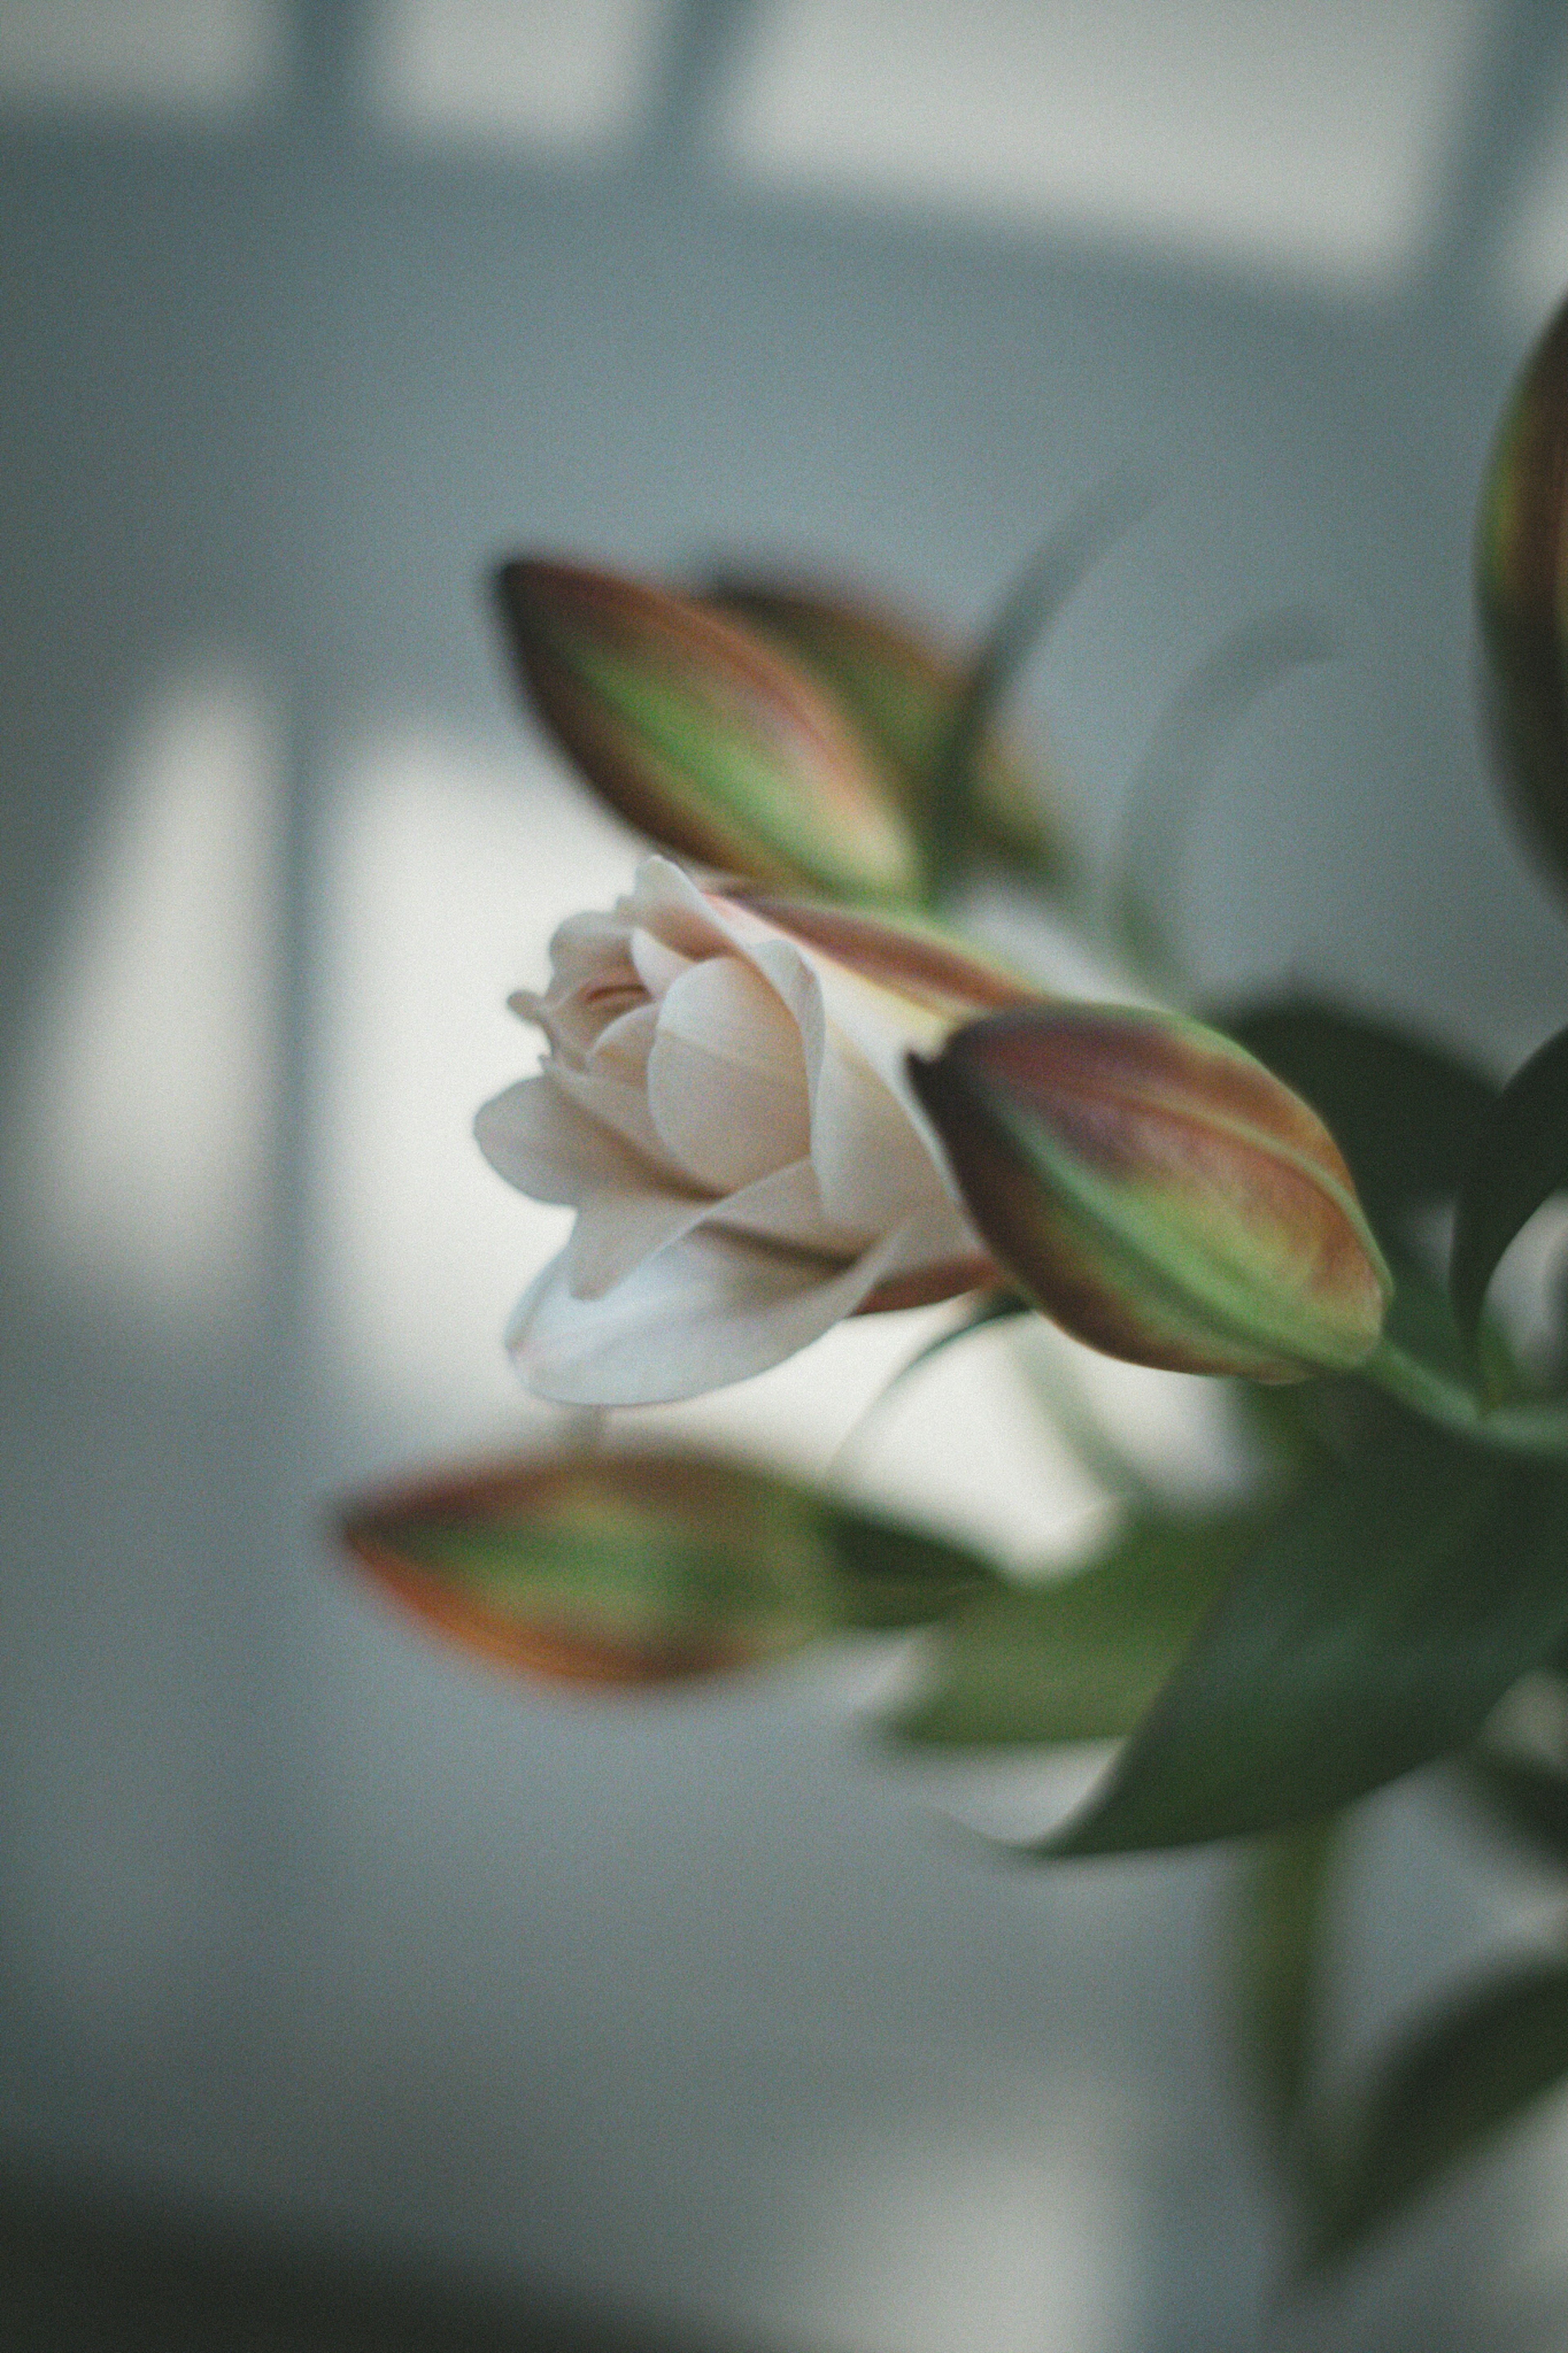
[1067,556]
[1180,757]
[1080,1657]
[1520,1160]
[1528,1797]
[704,736]
[901,685]
[1519,558]
[1373,1625]
[1442,2095]
[1406,1114]
[1281,1933]
[884,1576]
[646,1567]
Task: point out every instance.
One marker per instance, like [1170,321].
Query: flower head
[726,1104]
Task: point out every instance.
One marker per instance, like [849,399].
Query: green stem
[1539,1429]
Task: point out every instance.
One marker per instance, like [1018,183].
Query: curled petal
[712,1309]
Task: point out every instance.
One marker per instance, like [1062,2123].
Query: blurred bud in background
[902,687]
[648,1567]
[705,738]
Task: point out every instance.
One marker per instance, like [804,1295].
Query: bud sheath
[705,738]
[1158,1192]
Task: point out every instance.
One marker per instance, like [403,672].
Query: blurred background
[352,1994]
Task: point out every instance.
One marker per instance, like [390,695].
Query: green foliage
[1528,1797]
[1077,1657]
[1441,2096]
[1519,589]
[1282,1923]
[1520,1160]
[1408,1115]
[1373,1626]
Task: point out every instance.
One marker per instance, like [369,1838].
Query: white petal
[619,1226]
[657,964]
[785,1207]
[726,1079]
[621,1051]
[538,1141]
[871,1159]
[617,1105]
[710,1310]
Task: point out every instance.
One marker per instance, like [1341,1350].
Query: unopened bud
[705,738]
[602,1567]
[902,685]
[1158,1192]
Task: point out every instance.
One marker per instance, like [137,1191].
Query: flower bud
[1523,597]
[1158,1192]
[644,1567]
[902,686]
[704,737]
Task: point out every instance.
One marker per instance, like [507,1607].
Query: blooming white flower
[724,1104]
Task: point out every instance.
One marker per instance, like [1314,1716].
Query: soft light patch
[446,871]
[199,59]
[139,1163]
[553,74]
[1305,136]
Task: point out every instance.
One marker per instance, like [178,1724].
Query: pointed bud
[704,737]
[1524,596]
[1158,1192]
[901,685]
[648,1567]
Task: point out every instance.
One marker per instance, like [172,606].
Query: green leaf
[1174,770]
[1520,1160]
[1373,1625]
[1407,1113]
[1080,1657]
[1446,2092]
[1528,1797]
[645,1568]
[1281,1932]
[883,1574]
[1062,562]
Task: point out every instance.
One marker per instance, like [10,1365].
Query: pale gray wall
[303,1920]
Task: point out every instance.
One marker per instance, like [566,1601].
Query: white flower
[724,1105]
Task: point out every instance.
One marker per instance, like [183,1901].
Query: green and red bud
[1523,595]
[705,738]
[902,686]
[1157,1191]
[643,1567]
